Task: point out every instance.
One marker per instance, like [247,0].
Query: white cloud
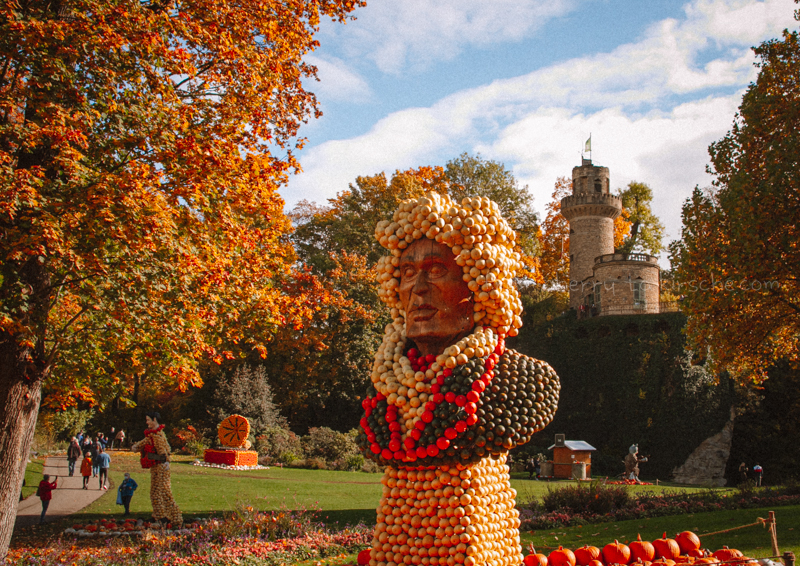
[395,35]
[651,106]
[337,81]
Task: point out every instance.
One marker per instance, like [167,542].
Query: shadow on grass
[344,517]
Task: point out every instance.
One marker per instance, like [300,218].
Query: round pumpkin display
[363,557]
[233,431]
[642,550]
[663,562]
[687,541]
[561,557]
[616,553]
[698,553]
[596,563]
[724,554]
[666,547]
[586,554]
[535,559]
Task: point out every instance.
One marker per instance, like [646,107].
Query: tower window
[598,186]
[597,288]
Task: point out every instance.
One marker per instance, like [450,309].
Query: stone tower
[590,211]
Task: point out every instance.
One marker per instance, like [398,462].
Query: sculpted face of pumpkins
[434,295]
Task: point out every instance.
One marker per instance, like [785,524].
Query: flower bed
[231,457]
[247,536]
[576,505]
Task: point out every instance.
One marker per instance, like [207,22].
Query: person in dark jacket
[73,453]
[126,489]
[46,493]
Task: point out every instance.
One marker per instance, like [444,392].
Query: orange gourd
[642,550]
[687,541]
[596,563]
[724,554]
[666,547]
[233,431]
[616,553]
[535,559]
[585,554]
[561,557]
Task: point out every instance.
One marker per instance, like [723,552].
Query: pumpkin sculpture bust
[448,400]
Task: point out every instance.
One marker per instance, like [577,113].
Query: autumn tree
[645,232]
[141,146]
[332,355]
[737,264]
[554,238]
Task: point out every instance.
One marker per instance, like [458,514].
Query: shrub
[182,435]
[279,444]
[328,444]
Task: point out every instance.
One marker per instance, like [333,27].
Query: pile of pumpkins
[684,549]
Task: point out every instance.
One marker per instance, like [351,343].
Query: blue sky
[524,82]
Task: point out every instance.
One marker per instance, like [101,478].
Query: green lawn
[343,497]
[33,475]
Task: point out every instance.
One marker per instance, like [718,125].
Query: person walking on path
[45,493]
[125,492]
[103,463]
[73,453]
[758,471]
[120,438]
[94,451]
[86,470]
[743,472]
[155,451]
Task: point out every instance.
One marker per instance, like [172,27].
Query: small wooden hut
[572,458]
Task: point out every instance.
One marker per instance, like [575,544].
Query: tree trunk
[22,393]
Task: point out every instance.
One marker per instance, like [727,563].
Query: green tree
[142,144]
[646,232]
[738,261]
[474,176]
[246,392]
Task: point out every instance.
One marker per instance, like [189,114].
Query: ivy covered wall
[628,380]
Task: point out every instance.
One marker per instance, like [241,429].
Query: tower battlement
[576,205]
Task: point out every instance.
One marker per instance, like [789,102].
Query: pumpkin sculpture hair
[434,410]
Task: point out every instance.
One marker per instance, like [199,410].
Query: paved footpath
[68,498]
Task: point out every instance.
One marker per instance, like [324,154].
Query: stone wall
[616,281]
[706,465]
[591,236]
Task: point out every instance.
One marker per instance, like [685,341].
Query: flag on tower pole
[588,146]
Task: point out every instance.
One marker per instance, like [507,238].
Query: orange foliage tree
[737,264]
[141,146]
[554,238]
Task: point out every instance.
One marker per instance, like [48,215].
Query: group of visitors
[758,473]
[96,462]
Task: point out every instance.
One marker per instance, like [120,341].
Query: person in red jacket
[45,493]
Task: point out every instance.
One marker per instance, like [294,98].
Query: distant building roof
[576,445]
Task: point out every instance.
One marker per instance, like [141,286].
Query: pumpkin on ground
[724,554]
[585,554]
[233,431]
[642,550]
[687,541]
[535,559]
[616,553]
[561,557]
[666,547]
